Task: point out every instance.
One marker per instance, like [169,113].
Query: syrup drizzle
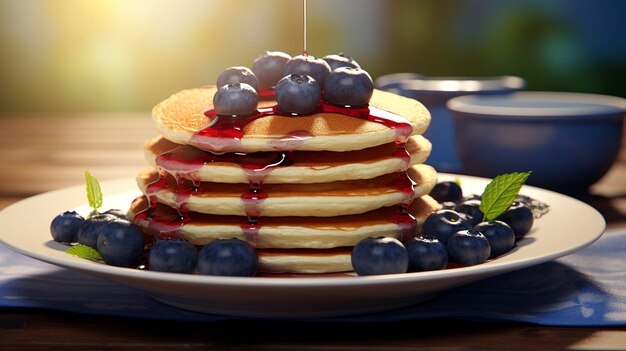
[406,186]
[403,154]
[224,135]
[266,94]
[407,225]
[161,225]
[251,230]
[186,161]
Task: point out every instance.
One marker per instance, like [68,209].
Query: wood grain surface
[42,153]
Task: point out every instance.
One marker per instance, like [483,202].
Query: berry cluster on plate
[118,242]
[110,237]
[459,234]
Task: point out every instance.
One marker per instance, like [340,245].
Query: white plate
[24,227]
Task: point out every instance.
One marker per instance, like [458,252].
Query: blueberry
[237,74]
[117,213]
[269,67]
[519,217]
[348,86]
[443,223]
[447,191]
[93,227]
[471,208]
[381,255]
[500,235]
[232,257]
[237,99]
[317,68]
[121,244]
[64,227]
[176,256]
[426,253]
[298,94]
[340,60]
[468,247]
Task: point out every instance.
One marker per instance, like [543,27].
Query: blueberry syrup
[184,162]
[182,190]
[266,95]
[402,218]
[161,225]
[251,230]
[252,199]
[403,154]
[224,136]
[406,185]
[407,225]
[224,133]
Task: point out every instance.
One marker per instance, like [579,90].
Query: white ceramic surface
[24,227]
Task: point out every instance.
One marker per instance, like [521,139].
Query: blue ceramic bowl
[434,93]
[568,140]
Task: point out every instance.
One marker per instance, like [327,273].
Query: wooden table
[41,153]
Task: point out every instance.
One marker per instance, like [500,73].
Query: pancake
[305,261]
[181,119]
[301,167]
[320,199]
[282,232]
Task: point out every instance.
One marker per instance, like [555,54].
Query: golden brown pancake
[182,116]
[320,199]
[285,167]
[303,261]
[309,232]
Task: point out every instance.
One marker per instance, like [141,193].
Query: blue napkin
[587,288]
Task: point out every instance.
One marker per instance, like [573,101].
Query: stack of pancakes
[303,190]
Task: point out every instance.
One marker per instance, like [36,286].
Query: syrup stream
[304,52]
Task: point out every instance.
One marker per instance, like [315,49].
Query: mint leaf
[94,193]
[500,193]
[84,251]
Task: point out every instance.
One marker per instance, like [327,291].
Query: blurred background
[126,55]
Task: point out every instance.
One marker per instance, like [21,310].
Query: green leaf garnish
[84,251]
[500,193]
[94,193]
